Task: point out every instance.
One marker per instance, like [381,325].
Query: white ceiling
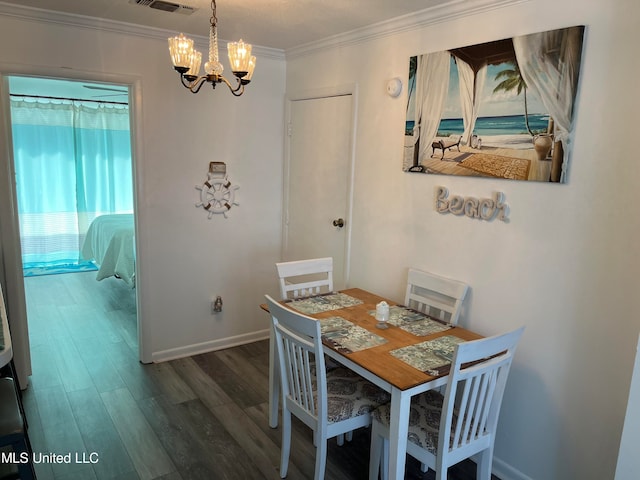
[278,24]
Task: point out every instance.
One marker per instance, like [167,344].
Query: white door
[318,184]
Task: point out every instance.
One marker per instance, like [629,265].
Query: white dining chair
[329,402]
[303,278]
[437,296]
[444,430]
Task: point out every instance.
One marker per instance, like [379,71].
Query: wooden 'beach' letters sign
[483,208]
[501,109]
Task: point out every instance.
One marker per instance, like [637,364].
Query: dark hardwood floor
[203,417]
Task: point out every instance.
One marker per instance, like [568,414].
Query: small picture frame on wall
[501,109]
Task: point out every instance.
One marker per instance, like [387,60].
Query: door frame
[10,240]
[313,94]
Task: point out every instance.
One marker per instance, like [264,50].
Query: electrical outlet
[216,305]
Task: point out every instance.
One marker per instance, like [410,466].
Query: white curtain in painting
[432,85]
[470,85]
[549,63]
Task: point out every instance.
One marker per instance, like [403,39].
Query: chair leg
[483,464]
[384,463]
[442,471]
[376,455]
[321,459]
[274,383]
[286,443]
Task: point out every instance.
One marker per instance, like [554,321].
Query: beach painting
[501,109]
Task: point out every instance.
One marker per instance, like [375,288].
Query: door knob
[338,223]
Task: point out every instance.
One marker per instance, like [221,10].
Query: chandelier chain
[214,19]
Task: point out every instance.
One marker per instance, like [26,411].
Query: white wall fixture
[483,208]
[394,87]
[217,195]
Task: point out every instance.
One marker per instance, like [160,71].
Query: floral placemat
[346,337]
[432,357]
[414,322]
[324,303]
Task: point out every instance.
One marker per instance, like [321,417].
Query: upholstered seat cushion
[349,395]
[424,419]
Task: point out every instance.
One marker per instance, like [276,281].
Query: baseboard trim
[504,471]
[198,348]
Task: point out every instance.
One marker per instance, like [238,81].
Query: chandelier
[186,61]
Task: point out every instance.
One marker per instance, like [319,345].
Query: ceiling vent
[165,6]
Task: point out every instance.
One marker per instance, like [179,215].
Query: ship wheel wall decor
[217,195]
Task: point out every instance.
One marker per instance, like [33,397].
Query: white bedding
[110,244]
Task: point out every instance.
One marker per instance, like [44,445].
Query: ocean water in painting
[505,125]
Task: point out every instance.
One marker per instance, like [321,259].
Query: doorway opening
[72,158]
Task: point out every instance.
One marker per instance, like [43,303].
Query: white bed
[110,244]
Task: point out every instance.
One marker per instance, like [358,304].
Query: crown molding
[413,21]
[405,23]
[123,28]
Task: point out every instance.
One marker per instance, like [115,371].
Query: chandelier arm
[238,90]
[195,85]
[195,88]
[184,82]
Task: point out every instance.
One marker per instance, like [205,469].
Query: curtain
[73,163]
[432,85]
[550,63]
[470,85]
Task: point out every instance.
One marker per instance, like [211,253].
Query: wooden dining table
[388,357]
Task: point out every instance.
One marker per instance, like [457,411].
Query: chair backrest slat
[473,396]
[301,362]
[303,278]
[437,296]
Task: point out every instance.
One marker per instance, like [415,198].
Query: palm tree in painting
[512,80]
[413,66]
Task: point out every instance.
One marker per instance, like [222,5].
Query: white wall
[184,259]
[565,265]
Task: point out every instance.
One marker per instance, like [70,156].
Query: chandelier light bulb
[181,49]
[239,56]
[252,66]
[194,64]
